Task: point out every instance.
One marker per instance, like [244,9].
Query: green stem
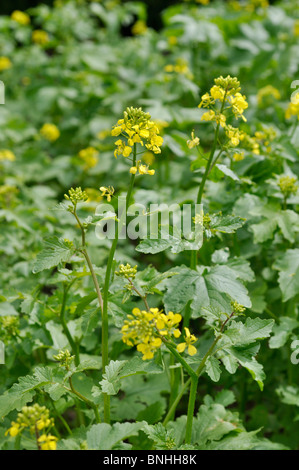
[73,344]
[207,172]
[89,403]
[175,403]
[191,406]
[105,295]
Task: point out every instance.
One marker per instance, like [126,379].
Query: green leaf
[246,333]
[55,251]
[117,370]
[288,267]
[213,368]
[227,171]
[282,332]
[215,287]
[105,437]
[226,223]
[23,392]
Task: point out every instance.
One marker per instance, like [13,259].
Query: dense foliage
[154,343]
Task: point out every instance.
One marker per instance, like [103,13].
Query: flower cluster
[202,219]
[7,155]
[35,418]
[107,192]
[20,17]
[9,326]
[146,330]
[139,28]
[141,169]
[293,108]
[50,132]
[181,67]
[64,358]
[267,91]
[40,37]
[89,156]
[137,128]
[238,156]
[76,195]
[5,63]
[237,308]
[225,95]
[287,185]
[127,271]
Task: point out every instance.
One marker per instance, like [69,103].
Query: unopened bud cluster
[127,271]
[65,358]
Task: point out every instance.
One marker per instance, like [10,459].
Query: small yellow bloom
[89,156]
[5,63]
[172,40]
[208,116]
[48,442]
[189,340]
[40,37]
[7,155]
[139,28]
[107,192]
[14,430]
[193,142]
[238,157]
[20,17]
[133,170]
[50,132]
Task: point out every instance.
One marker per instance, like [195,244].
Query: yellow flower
[20,17]
[189,340]
[89,156]
[296,28]
[148,158]
[238,157]
[239,104]
[139,28]
[40,37]
[7,155]
[233,134]
[145,329]
[208,116]
[5,63]
[172,40]
[267,90]
[148,349]
[31,417]
[48,442]
[193,142]
[137,128]
[107,192]
[50,132]
[293,108]
[167,324]
[217,93]
[14,430]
